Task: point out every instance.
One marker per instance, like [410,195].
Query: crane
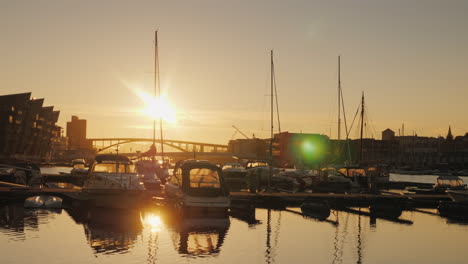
[240,131]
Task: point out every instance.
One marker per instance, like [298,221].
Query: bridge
[102,144]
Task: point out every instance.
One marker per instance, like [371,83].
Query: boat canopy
[112,158]
[449,182]
[200,178]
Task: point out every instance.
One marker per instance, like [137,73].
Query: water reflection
[159,235]
[196,237]
[108,231]
[15,219]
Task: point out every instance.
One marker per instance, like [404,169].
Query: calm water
[153,235]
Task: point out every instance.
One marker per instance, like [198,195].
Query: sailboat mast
[276,97]
[155,82]
[271,120]
[157,92]
[362,127]
[339,97]
[271,105]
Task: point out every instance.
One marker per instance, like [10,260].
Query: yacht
[112,182]
[198,187]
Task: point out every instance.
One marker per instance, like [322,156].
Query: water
[154,235]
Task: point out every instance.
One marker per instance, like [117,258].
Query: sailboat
[371,177]
[153,173]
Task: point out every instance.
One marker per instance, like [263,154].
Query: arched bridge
[184,146]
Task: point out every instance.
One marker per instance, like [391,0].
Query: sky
[87,58]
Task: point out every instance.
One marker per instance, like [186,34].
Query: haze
[85,57]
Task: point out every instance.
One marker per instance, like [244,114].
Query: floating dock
[341,199]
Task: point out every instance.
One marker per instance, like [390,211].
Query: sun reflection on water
[153,221]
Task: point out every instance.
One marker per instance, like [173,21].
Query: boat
[112,182]
[443,183]
[151,174]
[459,196]
[43,201]
[235,176]
[197,187]
[79,167]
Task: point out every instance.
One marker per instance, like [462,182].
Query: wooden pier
[340,199]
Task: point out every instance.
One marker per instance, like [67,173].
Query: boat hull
[110,198]
[458,196]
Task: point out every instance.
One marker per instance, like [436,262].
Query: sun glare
[153,221]
[157,107]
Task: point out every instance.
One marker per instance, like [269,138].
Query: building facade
[76,134]
[26,127]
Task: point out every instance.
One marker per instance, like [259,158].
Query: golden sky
[86,57]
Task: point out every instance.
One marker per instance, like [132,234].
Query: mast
[339,97]
[157,93]
[362,127]
[276,96]
[271,105]
[271,120]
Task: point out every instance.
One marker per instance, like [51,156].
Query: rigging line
[354,119]
[276,97]
[346,124]
[371,121]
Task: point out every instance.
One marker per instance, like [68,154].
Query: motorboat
[459,196]
[151,174]
[443,183]
[79,167]
[198,187]
[235,176]
[43,201]
[112,182]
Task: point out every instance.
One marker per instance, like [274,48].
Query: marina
[233,132]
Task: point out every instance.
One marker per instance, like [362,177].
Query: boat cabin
[449,182]
[199,178]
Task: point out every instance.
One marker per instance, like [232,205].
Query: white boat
[43,201]
[198,187]
[112,182]
[459,196]
[79,167]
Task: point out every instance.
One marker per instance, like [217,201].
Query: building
[26,127]
[76,134]
[253,148]
[388,134]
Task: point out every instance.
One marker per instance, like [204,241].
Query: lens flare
[157,107]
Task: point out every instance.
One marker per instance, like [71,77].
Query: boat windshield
[257,164]
[112,168]
[232,165]
[204,178]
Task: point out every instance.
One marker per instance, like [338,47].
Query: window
[204,178]
[175,179]
[112,168]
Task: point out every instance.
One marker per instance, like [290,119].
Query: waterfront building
[76,134]
[26,127]
[388,134]
[249,148]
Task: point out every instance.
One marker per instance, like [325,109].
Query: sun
[157,108]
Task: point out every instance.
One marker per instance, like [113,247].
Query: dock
[341,199]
